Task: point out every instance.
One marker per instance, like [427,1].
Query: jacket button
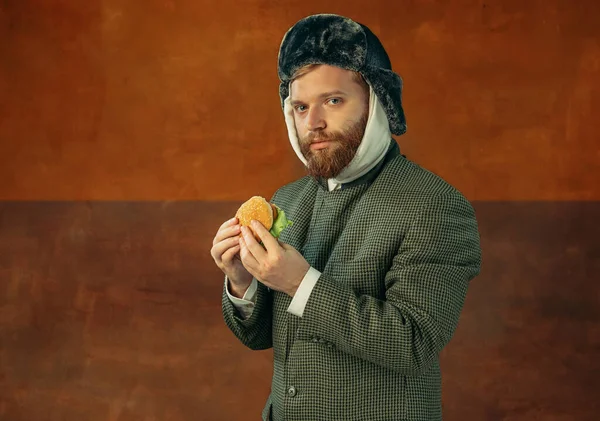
[291,391]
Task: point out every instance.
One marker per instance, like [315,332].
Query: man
[362,292]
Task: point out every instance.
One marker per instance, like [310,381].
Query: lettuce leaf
[280,223]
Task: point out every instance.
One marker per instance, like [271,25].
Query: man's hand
[280,267]
[225,254]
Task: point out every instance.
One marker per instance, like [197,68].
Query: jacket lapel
[298,210]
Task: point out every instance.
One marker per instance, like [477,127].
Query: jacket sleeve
[256,331]
[425,291]
[243,305]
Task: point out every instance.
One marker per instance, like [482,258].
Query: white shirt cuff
[300,299]
[244,305]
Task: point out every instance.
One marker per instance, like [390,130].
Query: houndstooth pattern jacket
[397,250]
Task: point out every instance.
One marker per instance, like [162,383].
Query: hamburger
[270,215]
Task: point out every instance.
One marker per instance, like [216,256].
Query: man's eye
[335,101]
[300,108]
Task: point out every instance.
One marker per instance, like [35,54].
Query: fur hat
[339,41]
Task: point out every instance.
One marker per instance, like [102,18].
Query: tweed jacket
[396,250]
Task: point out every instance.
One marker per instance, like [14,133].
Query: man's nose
[315,120]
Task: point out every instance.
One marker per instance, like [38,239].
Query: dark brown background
[131,129]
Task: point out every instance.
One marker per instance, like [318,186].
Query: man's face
[331,110]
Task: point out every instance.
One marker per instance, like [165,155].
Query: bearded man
[358,297]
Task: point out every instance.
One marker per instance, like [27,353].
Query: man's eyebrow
[323,95]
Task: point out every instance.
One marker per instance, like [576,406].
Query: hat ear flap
[387,85]
[284,92]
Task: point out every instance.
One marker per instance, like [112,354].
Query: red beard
[330,161]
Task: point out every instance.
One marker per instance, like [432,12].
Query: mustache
[321,136]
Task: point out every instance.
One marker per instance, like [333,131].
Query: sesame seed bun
[259,209]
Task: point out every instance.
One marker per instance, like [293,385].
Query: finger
[249,261]
[285,246]
[226,233]
[229,255]
[256,249]
[220,248]
[267,239]
[227,223]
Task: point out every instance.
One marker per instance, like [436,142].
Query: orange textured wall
[168,100]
